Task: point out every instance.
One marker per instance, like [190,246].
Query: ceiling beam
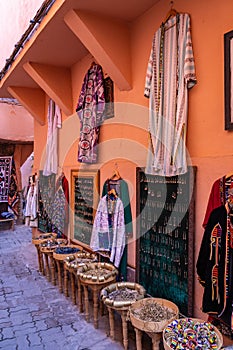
[107,40]
[32,99]
[55,81]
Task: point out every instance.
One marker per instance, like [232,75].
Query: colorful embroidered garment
[108,235]
[170,74]
[218,195]
[13,195]
[214,265]
[5,177]
[90,110]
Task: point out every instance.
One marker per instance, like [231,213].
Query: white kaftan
[54,123]
[101,227]
[170,74]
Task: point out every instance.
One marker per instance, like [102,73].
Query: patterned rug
[13,195]
[5,177]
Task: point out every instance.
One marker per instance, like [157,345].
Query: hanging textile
[13,194]
[59,217]
[170,74]
[218,195]
[214,265]
[31,208]
[46,193]
[54,123]
[5,177]
[121,188]
[65,187]
[108,231]
[90,110]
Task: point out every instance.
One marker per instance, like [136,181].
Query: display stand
[84,200]
[165,232]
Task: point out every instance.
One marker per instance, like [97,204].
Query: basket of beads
[122,294]
[97,272]
[191,333]
[60,253]
[44,237]
[80,259]
[52,244]
[151,315]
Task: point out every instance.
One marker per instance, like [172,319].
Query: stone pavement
[33,313]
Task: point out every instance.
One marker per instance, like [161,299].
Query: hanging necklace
[111,203]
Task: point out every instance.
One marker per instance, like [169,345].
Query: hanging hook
[171,4]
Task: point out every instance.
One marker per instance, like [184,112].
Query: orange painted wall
[124,138]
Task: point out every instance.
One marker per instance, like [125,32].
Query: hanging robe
[54,123]
[90,108]
[170,74]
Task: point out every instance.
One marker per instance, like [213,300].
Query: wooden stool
[71,264]
[59,260]
[47,248]
[37,241]
[121,306]
[153,328]
[7,221]
[95,283]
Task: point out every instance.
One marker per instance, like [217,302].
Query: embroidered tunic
[170,74]
[90,110]
[214,265]
[102,230]
[54,123]
[218,195]
[121,188]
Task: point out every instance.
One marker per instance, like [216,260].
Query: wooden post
[138,338]
[111,323]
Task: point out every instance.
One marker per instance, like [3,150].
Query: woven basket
[79,259]
[84,273]
[167,339]
[44,237]
[62,256]
[121,285]
[47,248]
[151,326]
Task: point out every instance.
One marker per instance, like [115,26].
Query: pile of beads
[188,333]
[124,294]
[66,250]
[154,312]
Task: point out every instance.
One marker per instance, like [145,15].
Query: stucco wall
[16,122]
[124,138]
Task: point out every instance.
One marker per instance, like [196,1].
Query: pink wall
[16,123]
[14,14]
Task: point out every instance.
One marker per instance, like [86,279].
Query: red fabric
[65,186]
[215,199]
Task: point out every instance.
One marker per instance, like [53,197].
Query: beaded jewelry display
[190,333]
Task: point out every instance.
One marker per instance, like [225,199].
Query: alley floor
[34,314]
